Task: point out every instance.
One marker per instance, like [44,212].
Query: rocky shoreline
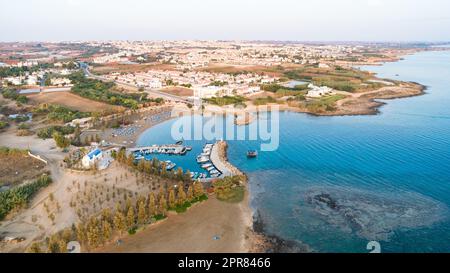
[260,241]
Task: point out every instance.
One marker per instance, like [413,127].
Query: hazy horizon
[251,20]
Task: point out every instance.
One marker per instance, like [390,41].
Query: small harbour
[208,162]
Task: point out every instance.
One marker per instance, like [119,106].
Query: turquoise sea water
[389,173]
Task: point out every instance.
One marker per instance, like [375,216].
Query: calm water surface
[389,173]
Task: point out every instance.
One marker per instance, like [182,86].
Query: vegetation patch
[19,197]
[324,104]
[226,100]
[48,132]
[263,101]
[59,113]
[338,78]
[229,189]
[102,91]
[3,124]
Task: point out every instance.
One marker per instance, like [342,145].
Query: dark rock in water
[373,216]
[328,200]
[276,244]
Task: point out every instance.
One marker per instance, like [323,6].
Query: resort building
[205,92]
[60,82]
[92,157]
[317,92]
[82,122]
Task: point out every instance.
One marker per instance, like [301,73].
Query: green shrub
[3,124]
[20,196]
[49,131]
[226,100]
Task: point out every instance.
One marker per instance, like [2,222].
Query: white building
[92,157]
[323,65]
[317,92]
[60,81]
[82,122]
[206,92]
[32,80]
[155,83]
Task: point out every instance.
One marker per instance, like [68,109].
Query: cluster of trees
[12,94]
[3,124]
[48,132]
[61,141]
[19,197]
[102,91]
[153,167]
[17,71]
[187,85]
[60,113]
[126,218]
[218,83]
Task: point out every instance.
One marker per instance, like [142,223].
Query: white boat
[210,168]
[206,166]
[169,165]
[202,159]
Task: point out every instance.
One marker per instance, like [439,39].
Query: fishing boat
[252,153]
[210,168]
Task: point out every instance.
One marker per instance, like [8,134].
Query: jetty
[173,149]
[218,162]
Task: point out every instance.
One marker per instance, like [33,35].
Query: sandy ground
[194,231]
[19,168]
[140,122]
[178,91]
[71,101]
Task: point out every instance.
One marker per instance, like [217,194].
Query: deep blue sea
[388,175]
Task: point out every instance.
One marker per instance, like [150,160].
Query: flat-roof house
[316,91]
[93,156]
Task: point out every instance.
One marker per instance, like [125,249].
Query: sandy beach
[211,226]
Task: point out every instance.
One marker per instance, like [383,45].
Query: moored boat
[252,153]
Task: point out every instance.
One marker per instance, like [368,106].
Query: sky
[284,20]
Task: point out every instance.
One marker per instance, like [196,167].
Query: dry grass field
[129,68]
[179,91]
[19,168]
[72,101]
